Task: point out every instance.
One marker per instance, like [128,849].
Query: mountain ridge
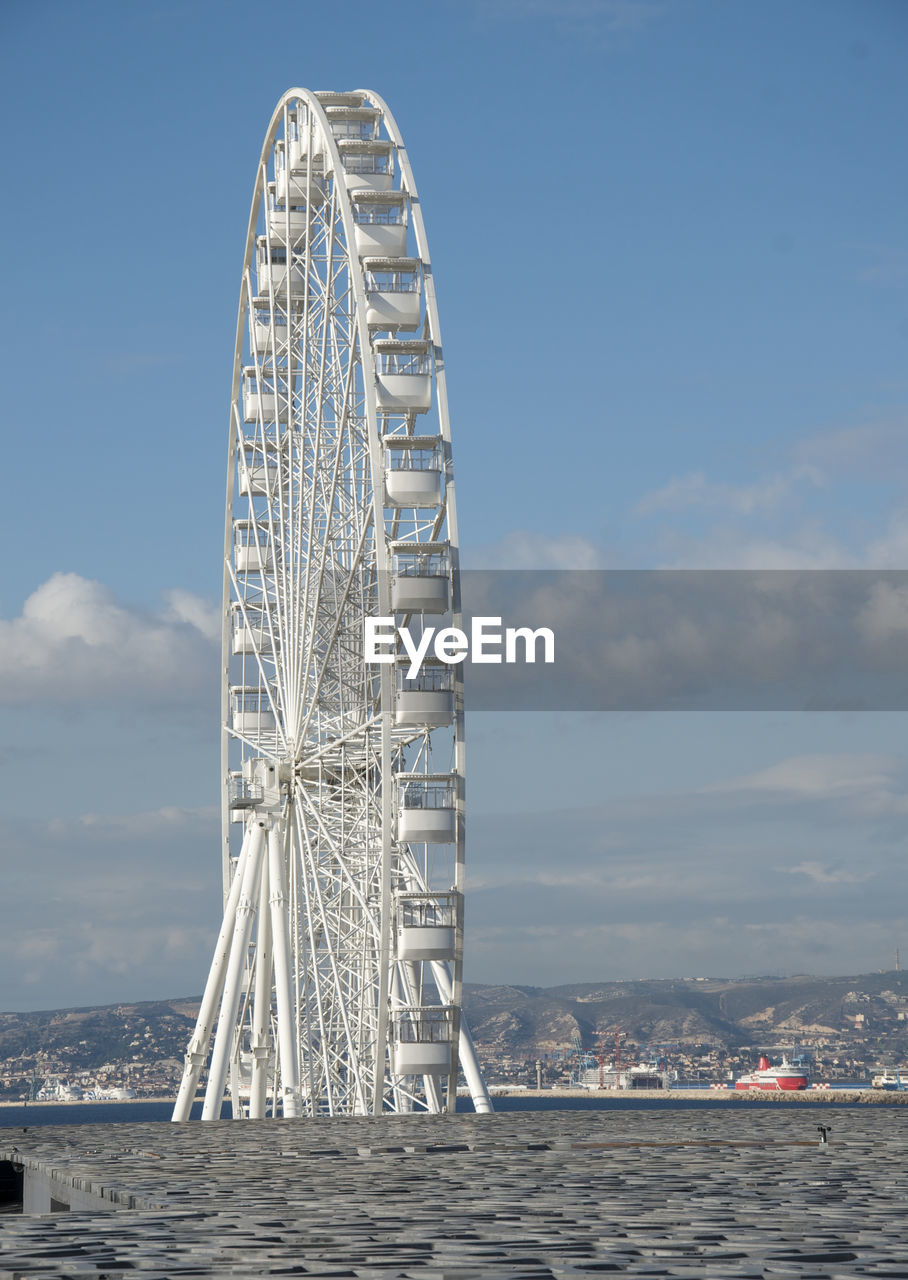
[147,1039]
[725,1011]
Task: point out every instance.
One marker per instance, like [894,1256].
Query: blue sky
[670,250]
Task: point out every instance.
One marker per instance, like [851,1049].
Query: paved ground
[553,1194]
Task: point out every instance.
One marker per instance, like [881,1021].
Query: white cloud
[797,867]
[875,446]
[694,490]
[76,643]
[108,907]
[155,823]
[888,267]
[692,640]
[884,617]
[204,615]
[716,945]
[767,523]
[523,549]
[810,546]
[82,962]
[819,873]
[126,906]
[890,549]
[820,777]
[723,546]
[730,547]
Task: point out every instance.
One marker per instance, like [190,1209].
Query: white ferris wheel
[335,986]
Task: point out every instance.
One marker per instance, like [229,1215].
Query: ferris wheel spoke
[338,621]
[355,885]
[336,468]
[317,1044]
[332,993]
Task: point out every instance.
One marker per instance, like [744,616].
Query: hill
[145,1042]
[721,1011]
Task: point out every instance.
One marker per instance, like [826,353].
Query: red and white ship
[766,1077]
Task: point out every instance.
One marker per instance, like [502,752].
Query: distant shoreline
[85,1102]
[868,1096]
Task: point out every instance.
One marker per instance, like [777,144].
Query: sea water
[38,1113]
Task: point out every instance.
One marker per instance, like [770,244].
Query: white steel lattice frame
[336,984]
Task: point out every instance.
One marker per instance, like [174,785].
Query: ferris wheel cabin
[288,224]
[422,1039]
[393,298]
[305,183]
[258,482]
[425,924]
[247,629]
[380,219]
[359,123]
[265,397]
[425,808]
[272,271]
[261,329]
[426,700]
[251,548]
[421,577]
[413,471]
[251,711]
[403,371]
[367,165]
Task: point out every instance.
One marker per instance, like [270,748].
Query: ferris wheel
[336,983]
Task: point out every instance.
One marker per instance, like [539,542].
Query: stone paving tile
[549,1194]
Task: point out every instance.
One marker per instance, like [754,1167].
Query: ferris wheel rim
[311,100]
[362,1083]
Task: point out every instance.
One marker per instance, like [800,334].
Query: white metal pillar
[468,1060]
[286,1019]
[261,1013]
[198,1046]
[239,946]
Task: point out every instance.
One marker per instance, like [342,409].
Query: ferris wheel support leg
[384,981]
[245,911]
[468,1060]
[289,1059]
[198,1046]
[261,1025]
[433,1095]
[471,1069]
